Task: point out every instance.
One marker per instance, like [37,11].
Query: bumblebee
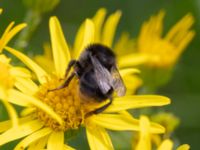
[97,73]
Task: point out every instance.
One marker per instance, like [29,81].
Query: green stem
[32,19]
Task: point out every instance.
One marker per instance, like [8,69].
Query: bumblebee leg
[70,65]
[66,83]
[101,109]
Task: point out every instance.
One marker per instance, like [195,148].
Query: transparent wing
[103,76]
[118,84]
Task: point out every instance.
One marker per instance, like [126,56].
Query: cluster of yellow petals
[164,51]
[152,48]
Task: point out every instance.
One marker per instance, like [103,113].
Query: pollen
[66,102]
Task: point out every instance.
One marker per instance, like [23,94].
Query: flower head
[162,51]
[49,114]
[7,71]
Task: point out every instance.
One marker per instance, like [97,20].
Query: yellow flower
[48,115]
[145,139]
[7,72]
[158,50]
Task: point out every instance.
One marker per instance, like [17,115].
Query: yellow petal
[33,137]
[28,110]
[98,20]
[155,128]
[109,28]
[184,147]
[36,102]
[27,86]
[45,63]
[56,141]
[1,10]
[132,83]
[166,145]
[132,60]
[8,28]
[131,102]
[20,131]
[39,144]
[78,39]
[8,35]
[144,140]
[67,147]
[20,72]
[128,71]
[185,41]
[5,125]
[12,113]
[61,54]
[98,138]
[85,38]
[124,45]
[114,122]
[40,73]
[184,24]
[16,99]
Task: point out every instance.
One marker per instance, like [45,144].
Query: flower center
[66,102]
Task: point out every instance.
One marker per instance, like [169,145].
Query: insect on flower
[97,73]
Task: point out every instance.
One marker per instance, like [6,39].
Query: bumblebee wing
[118,84]
[103,76]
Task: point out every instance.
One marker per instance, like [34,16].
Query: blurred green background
[184,87]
